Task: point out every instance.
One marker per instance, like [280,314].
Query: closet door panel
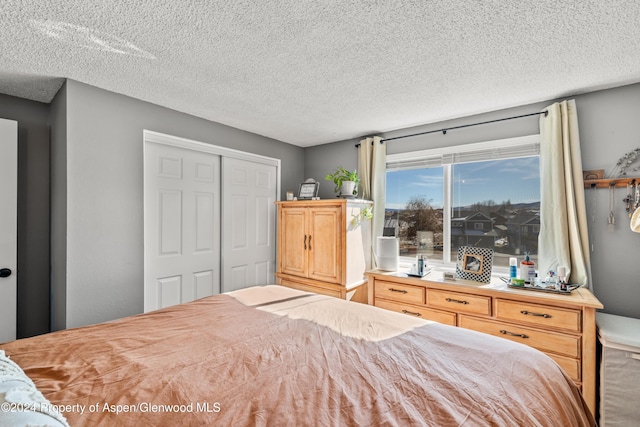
[182,225]
[248,218]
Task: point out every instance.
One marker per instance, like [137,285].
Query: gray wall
[104,194]
[33,212]
[609,127]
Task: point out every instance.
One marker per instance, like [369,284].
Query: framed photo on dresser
[308,190]
[474,264]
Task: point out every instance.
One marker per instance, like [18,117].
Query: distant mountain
[533,205]
[514,206]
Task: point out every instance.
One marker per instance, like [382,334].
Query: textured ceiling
[311,72]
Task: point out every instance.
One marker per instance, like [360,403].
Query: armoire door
[248,223]
[182,225]
[324,244]
[8,228]
[293,237]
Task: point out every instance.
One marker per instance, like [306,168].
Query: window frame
[446,157]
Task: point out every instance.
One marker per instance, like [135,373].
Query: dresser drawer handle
[412,313]
[545,315]
[456,300]
[402,291]
[503,332]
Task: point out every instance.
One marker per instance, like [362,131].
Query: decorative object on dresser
[474,263]
[315,240]
[308,189]
[387,253]
[562,326]
[346,182]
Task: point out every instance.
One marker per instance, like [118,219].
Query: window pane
[414,211]
[496,204]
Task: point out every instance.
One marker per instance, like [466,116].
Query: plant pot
[347,188]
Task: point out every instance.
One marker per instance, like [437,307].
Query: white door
[248,213]
[8,228]
[182,225]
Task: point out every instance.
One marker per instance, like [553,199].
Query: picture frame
[474,264]
[308,190]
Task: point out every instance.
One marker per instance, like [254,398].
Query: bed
[271,355]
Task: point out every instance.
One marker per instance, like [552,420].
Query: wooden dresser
[324,246]
[562,326]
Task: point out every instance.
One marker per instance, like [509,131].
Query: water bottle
[513,268]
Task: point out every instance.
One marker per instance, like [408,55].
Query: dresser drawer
[464,303]
[538,315]
[399,292]
[570,366]
[549,342]
[422,312]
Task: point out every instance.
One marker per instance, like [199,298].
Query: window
[481,195]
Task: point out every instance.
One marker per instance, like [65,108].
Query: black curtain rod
[444,131]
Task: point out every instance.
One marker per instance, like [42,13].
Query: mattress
[271,355]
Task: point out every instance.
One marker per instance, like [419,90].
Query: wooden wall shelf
[613,182]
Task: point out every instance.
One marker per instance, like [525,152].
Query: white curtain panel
[365,154]
[372,169]
[563,239]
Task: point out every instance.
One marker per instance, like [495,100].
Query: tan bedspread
[217,361]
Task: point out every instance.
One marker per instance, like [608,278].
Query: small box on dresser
[619,345]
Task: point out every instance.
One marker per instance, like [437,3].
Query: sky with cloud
[517,180]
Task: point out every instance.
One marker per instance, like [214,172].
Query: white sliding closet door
[249,223]
[182,225]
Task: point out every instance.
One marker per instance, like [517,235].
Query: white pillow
[21,404]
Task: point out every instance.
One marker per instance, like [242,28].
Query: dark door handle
[5,272]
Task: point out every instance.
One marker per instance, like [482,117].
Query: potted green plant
[346,182]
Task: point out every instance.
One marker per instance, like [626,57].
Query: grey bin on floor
[619,345]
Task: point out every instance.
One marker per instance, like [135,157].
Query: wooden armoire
[324,246]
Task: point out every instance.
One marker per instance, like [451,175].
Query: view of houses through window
[492,204]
